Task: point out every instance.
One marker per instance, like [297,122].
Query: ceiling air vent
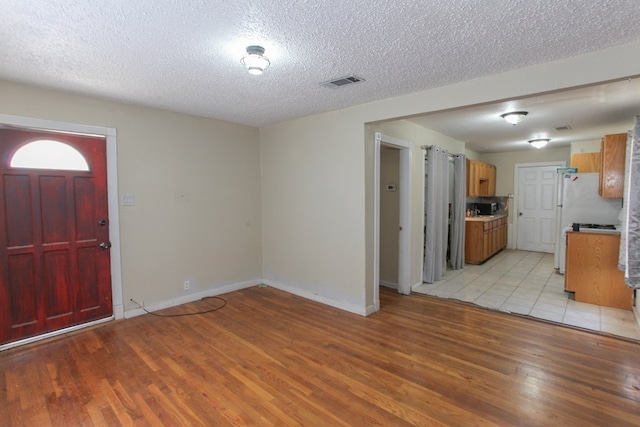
[562,128]
[342,81]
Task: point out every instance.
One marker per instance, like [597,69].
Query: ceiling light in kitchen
[514,117]
[539,143]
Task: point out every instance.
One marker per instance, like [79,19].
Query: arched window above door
[49,154]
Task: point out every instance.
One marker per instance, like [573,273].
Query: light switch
[128,200]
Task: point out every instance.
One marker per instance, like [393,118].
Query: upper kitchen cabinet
[586,162]
[481,179]
[472,182]
[612,153]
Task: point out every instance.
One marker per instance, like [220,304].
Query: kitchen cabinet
[472,181]
[491,180]
[481,179]
[592,270]
[612,154]
[484,237]
[586,162]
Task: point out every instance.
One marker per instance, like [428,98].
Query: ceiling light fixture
[254,61]
[514,117]
[539,142]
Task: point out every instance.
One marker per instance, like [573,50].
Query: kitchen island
[592,269]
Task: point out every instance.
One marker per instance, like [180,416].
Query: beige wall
[420,136]
[472,155]
[339,268]
[505,164]
[580,147]
[313,202]
[213,238]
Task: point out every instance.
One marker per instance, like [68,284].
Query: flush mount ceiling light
[514,117]
[254,61]
[539,143]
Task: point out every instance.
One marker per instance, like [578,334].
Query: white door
[537,195]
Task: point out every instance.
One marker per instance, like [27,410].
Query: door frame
[404,195]
[27,123]
[512,236]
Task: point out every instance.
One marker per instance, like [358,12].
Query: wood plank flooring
[271,358]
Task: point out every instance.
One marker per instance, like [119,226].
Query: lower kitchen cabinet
[484,238]
[592,270]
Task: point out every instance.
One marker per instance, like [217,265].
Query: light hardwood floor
[271,358]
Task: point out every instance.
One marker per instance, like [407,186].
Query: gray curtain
[436,214]
[631,213]
[456,253]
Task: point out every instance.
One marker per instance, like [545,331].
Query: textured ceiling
[184,55]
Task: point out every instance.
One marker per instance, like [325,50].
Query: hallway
[526,283]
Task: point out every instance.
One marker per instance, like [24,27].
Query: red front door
[54,239]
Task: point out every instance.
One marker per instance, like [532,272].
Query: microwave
[487,208]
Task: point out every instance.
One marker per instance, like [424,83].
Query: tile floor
[526,283]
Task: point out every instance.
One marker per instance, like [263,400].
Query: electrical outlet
[187,285]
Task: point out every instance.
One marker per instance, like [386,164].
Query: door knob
[102,222]
[105,245]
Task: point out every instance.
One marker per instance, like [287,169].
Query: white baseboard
[510,237]
[370,309]
[191,297]
[118,311]
[352,308]
[395,285]
[387,284]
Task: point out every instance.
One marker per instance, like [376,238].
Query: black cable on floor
[224,303]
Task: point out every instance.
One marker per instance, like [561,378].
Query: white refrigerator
[578,201]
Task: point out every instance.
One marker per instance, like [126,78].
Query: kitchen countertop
[595,231]
[486,218]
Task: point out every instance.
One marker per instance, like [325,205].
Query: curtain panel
[436,213]
[630,239]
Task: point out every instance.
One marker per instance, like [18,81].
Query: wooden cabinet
[472,182]
[592,270]
[612,154]
[586,162]
[484,238]
[492,180]
[481,179]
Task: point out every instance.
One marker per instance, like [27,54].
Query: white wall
[213,238]
[336,149]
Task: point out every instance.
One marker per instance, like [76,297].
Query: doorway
[536,202]
[389,216]
[82,309]
[404,213]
